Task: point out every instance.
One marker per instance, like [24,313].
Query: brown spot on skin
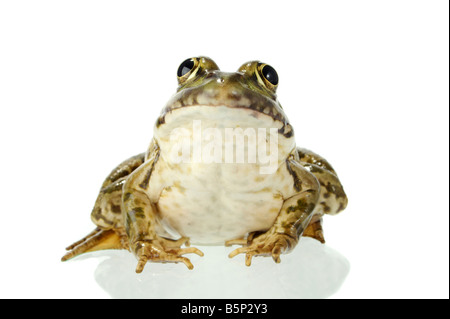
[97,214]
[131,219]
[302,206]
[287,131]
[115,209]
[326,208]
[126,197]
[309,157]
[160,120]
[138,202]
[137,212]
[337,190]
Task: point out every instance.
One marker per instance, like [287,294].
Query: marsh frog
[207,178]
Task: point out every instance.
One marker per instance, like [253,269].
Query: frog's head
[252,90]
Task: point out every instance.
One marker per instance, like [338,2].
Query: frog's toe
[84,239]
[237,251]
[244,241]
[184,260]
[163,250]
[189,250]
[250,253]
[98,239]
[163,258]
[239,241]
[169,258]
[265,245]
[276,252]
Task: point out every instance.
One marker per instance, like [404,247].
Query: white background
[364,83]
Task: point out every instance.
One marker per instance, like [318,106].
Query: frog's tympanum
[222,168]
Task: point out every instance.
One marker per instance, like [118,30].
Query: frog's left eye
[268,76]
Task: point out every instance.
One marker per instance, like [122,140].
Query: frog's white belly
[212,203]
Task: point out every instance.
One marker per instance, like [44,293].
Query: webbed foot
[262,244]
[98,239]
[163,250]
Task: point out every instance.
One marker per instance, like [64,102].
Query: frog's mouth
[223,104]
[223,134]
[224,116]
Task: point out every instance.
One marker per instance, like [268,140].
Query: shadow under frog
[313,270]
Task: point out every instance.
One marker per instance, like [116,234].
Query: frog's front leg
[294,217]
[141,220]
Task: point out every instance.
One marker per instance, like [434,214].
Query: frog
[155,204]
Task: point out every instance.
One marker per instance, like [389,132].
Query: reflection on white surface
[312,270]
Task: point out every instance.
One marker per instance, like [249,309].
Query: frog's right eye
[194,68]
[186,69]
[186,66]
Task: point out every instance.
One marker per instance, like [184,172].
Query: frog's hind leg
[107,216]
[107,213]
[82,240]
[332,198]
[314,229]
[99,239]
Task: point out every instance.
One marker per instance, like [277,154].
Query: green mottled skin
[147,199]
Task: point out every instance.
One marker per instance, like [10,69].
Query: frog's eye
[195,68]
[185,67]
[270,74]
[267,76]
